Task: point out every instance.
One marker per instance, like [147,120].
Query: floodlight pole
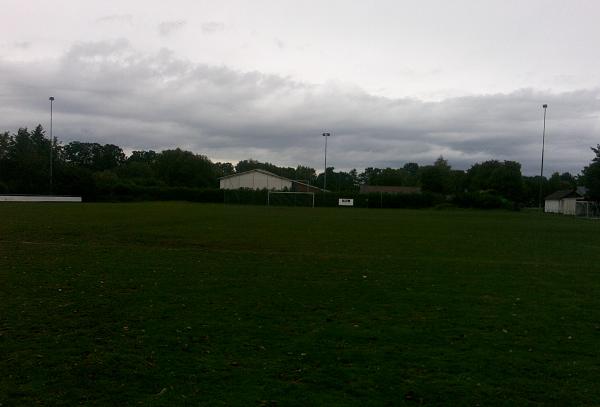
[326,135]
[545,106]
[51,99]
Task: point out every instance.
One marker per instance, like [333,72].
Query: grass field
[164,304]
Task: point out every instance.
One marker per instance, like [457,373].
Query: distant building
[261,179]
[563,202]
[368,189]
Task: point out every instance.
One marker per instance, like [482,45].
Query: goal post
[279,198]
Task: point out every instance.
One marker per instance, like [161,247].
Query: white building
[255,179]
[562,202]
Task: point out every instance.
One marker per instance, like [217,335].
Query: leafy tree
[385,176]
[412,173]
[137,171]
[28,161]
[139,168]
[94,156]
[337,181]
[110,156]
[147,157]
[305,174]
[184,168]
[502,177]
[531,190]
[458,181]
[562,181]
[436,177]
[591,175]
[369,176]
[224,169]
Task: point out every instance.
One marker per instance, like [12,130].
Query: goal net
[276,198]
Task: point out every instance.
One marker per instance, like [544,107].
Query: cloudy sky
[393,81]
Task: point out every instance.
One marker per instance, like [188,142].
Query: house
[262,179]
[368,189]
[562,202]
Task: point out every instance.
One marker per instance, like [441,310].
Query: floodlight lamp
[51,98]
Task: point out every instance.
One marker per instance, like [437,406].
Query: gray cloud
[110,93]
[167,28]
[212,27]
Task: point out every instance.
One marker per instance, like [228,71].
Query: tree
[385,176]
[531,190]
[94,156]
[562,181]
[412,174]
[185,169]
[591,175]
[148,157]
[29,161]
[502,177]
[224,169]
[247,165]
[337,181]
[306,174]
[369,176]
[5,143]
[436,177]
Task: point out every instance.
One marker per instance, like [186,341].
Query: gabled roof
[272,175]
[256,170]
[565,193]
[304,184]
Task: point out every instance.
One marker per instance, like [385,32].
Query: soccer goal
[277,198]
[587,209]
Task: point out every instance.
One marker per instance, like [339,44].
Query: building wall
[568,206]
[255,180]
[552,206]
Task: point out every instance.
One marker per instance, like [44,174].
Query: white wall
[255,180]
[38,198]
[552,206]
[568,206]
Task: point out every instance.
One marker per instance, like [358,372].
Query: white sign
[346,202]
[39,198]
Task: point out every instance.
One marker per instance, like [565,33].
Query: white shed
[562,202]
[255,179]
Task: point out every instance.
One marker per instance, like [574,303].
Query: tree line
[94,170]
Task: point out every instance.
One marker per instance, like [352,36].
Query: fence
[587,209]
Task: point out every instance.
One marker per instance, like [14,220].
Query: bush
[377,200]
[483,200]
[125,192]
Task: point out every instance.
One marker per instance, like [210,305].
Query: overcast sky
[393,81]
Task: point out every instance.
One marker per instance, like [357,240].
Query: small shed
[563,202]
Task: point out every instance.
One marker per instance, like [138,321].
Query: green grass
[163,304]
